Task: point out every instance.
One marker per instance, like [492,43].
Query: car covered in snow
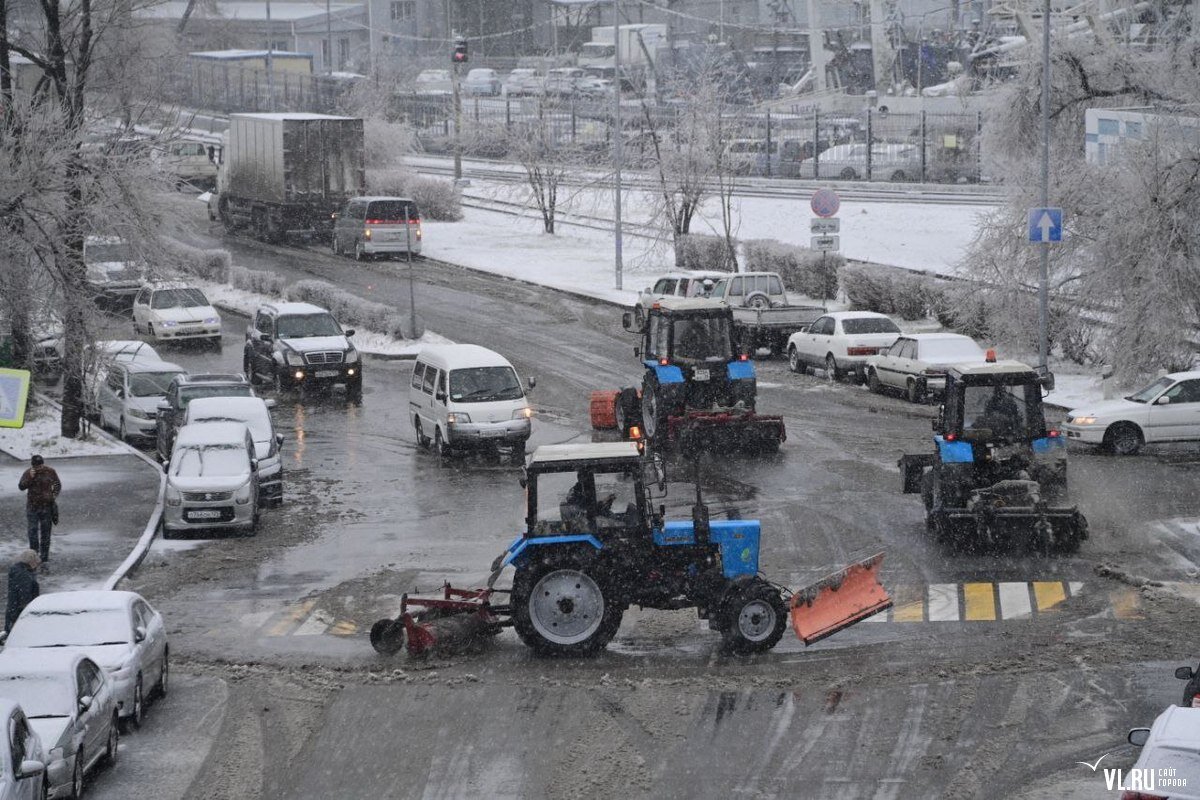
[119,631]
[71,706]
[182,391]
[127,399]
[916,363]
[23,759]
[849,162]
[1168,410]
[523,81]
[1169,765]
[255,413]
[98,359]
[212,480]
[481,81]
[841,342]
[114,272]
[172,310]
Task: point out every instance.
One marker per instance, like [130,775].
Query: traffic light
[460,51]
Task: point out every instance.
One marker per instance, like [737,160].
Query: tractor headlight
[1082,420]
[293,358]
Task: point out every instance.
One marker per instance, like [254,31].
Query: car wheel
[422,439]
[112,745]
[914,392]
[873,383]
[795,363]
[77,776]
[758,300]
[440,448]
[359,253]
[134,720]
[1123,439]
[124,437]
[164,676]
[832,373]
[848,174]
[898,176]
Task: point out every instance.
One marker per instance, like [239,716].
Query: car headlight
[351,355]
[242,495]
[212,320]
[458,419]
[293,358]
[1082,420]
[139,414]
[523,413]
[169,323]
[172,496]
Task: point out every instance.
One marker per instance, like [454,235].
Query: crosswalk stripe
[943,602]
[1125,603]
[343,627]
[979,601]
[317,623]
[291,618]
[1014,601]
[1048,594]
[1075,587]
[909,604]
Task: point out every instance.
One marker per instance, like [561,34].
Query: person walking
[41,485]
[22,586]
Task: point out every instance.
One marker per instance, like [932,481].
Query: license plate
[493,433]
[204,514]
[700,375]
[326,373]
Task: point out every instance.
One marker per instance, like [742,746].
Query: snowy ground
[366,341]
[40,435]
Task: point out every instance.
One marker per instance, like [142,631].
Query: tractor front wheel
[754,619]
[654,410]
[560,608]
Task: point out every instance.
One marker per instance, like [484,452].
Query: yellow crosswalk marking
[291,619]
[908,604]
[343,627]
[1125,603]
[979,600]
[1048,594]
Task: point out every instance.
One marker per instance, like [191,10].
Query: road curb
[142,547]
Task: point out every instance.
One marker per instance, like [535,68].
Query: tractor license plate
[326,373]
[204,514]
[700,375]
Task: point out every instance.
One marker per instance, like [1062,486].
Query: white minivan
[464,396]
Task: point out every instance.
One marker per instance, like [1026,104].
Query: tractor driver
[580,508]
[1001,413]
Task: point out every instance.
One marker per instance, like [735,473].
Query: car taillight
[950,437]
[861,351]
[1053,434]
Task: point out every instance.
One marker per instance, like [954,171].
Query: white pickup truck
[762,314]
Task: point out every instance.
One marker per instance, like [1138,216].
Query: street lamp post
[270,66]
[617,136]
[1044,277]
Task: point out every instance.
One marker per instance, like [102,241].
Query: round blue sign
[825,202]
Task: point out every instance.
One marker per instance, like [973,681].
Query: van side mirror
[627,320]
[440,396]
[254,465]
[279,439]
[532,381]
[1184,673]
[139,635]
[1139,736]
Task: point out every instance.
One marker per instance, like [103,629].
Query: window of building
[403,9]
[1133,130]
[325,53]
[1110,127]
[343,52]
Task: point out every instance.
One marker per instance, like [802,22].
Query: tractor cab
[600,490]
[691,332]
[998,402]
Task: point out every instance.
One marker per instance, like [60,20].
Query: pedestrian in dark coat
[41,485]
[22,586]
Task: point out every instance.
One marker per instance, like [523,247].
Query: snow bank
[40,435]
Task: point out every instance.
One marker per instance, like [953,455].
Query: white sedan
[117,630]
[100,356]
[1167,410]
[173,310]
[917,363]
[840,342]
[22,759]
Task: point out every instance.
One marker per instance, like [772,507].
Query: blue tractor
[595,544]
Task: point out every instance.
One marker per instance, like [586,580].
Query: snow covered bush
[210,265]
[437,199]
[888,291]
[351,310]
[802,270]
[701,251]
[257,281]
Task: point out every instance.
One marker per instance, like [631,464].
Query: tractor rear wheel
[754,618]
[561,607]
[654,411]
[627,412]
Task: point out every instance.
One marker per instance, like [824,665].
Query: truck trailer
[288,174]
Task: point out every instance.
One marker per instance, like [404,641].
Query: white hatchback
[1167,410]
[173,310]
[212,479]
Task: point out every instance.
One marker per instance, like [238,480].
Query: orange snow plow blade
[839,600]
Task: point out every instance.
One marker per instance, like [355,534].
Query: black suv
[297,344]
[182,390]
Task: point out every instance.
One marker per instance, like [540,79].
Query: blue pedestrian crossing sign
[14,391]
[1045,225]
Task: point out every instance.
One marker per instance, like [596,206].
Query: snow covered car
[686,283]
[1167,410]
[117,630]
[523,81]
[114,274]
[71,707]
[1169,764]
[917,363]
[212,479]
[892,162]
[23,759]
[841,342]
[127,400]
[255,412]
[481,81]
[99,357]
[182,391]
[173,310]
[433,82]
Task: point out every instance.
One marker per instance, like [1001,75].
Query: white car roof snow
[90,600]
[462,356]
[133,367]
[247,409]
[155,286]
[856,315]
[935,337]
[286,309]
[211,433]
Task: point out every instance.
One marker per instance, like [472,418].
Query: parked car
[23,759]
[1168,410]
[893,162]
[255,414]
[763,316]
[128,398]
[687,283]
[521,82]
[753,156]
[1191,692]
[212,480]
[563,81]
[917,363]
[45,345]
[119,631]
[433,81]
[99,357]
[482,81]
[464,396]
[594,87]
[71,707]
[192,163]
[113,272]
[841,342]
[299,344]
[172,310]
[182,390]
[371,226]
[1170,757]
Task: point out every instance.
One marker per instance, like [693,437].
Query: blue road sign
[14,391]
[1045,225]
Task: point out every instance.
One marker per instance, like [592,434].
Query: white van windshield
[484,384]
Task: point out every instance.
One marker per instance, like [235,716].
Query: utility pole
[328,39]
[270,68]
[618,133]
[1044,282]
[458,58]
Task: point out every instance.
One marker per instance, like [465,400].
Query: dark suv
[297,344]
[184,389]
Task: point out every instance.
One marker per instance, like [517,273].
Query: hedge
[210,265]
[803,270]
[352,310]
[701,251]
[437,199]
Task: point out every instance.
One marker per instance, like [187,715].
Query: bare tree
[546,152]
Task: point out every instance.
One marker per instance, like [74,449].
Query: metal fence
[924,147]
[228,88]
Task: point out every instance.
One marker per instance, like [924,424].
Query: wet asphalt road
[397,521]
